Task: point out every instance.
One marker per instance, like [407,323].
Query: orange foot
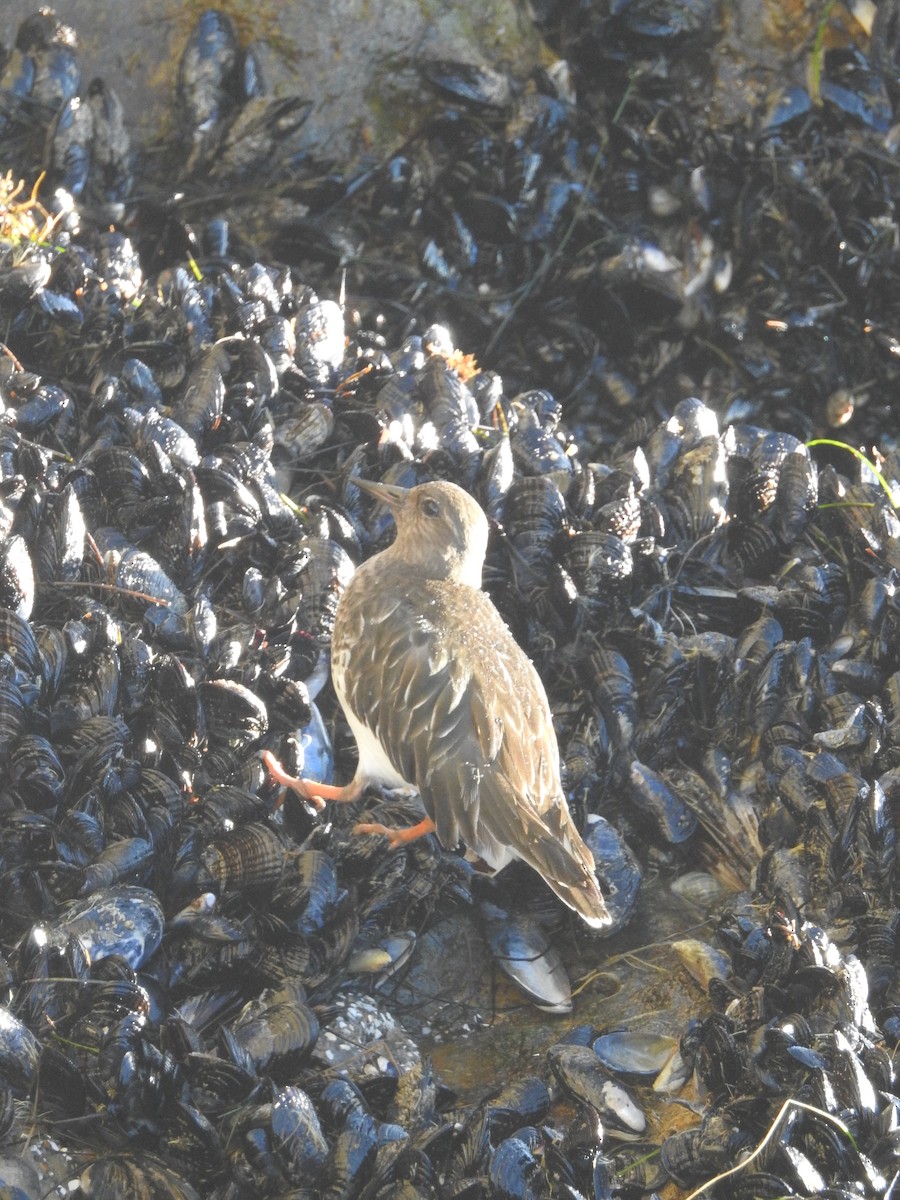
[312,791]
[397,837]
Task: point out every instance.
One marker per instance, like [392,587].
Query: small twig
[115,589]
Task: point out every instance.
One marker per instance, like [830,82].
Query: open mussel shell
[522,951]
[385,957]
[702,961]
[634,1052]
[699,888]
[582,1076]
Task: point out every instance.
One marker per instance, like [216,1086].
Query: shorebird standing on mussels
[442,699]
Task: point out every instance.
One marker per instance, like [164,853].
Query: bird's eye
[430,507]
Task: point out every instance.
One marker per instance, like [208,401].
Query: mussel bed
[660,319]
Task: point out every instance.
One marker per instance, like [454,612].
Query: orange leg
[397,837]
[316,793]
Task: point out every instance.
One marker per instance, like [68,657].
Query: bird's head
[441,531]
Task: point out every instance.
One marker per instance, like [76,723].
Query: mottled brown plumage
[441,698]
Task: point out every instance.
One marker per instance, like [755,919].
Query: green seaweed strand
[862,458]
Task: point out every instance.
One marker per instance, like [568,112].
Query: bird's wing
[453,709]
[397,678]
[465,717]
[514,806]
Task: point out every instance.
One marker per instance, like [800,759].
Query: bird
[442,699]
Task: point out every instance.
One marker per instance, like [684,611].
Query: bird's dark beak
[388,493]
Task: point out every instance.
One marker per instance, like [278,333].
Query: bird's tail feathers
[585,898]
[552,846]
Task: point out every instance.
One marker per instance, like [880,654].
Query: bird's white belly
[374,764]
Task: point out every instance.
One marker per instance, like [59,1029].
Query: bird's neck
[453,568]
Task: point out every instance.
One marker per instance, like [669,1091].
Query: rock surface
[356,61]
